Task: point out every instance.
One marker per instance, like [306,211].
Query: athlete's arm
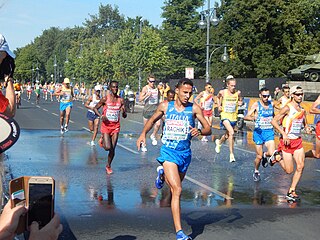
[97,107]
[253,109]
[123,109]
[219,100]
[162,108]
[275,123]
[143,95]
[206,128]
[314,109]
[196,100]
[88,102]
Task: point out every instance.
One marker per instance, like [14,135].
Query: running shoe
[218,146]
[153,140]
[292,196]
[109,170]
[256,176]
[66,128]
[182,236]
[272,160]
[61,130]
[143,148]
[232,159]
[204,139]
[264,162]
[92,143]
[160,178]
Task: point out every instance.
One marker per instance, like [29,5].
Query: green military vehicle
[309,71]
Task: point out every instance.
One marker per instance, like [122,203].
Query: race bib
[296,127]
[153,99]
[265,122]
[176,129]
[208,105]
[230,107]
[112,115]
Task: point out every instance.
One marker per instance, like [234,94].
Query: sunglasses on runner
[265,96]
[298,94]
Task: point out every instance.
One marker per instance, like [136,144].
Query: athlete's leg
[258,157]
[62,114]
[173,179]
[95,128]
[156,127]
[314,153]
[90,125]
[287,162]
[68,112]
[229,134]
[298,156]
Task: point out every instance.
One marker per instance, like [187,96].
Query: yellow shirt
[230,106]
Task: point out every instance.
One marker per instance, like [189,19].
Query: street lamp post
[139,70]
[55,68]
[202,24]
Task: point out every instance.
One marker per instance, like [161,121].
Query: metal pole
[139,70]
[208,44]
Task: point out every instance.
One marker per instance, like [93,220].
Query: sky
[23,20]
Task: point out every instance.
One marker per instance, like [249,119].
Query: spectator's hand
[49,232]
[9,220]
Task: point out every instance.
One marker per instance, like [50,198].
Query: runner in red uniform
[110,126]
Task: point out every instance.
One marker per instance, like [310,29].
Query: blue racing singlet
[176,131]
[264,117]
[317,116]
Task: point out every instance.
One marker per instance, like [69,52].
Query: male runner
[66,96]
[17,90]
[228,100]
[175,153]
[262,113]
[315,109]
[294,117]
[150,96]
[110,127]
[93,119]
[284,99]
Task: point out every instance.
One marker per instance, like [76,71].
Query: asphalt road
[219,199]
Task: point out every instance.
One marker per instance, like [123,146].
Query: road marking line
[87,129]
[55,114]
[135,121]
[80,107]
[44,109]
[241,149]
[119,144]
[208,188]
[128,149]
[71,121]
[318,170]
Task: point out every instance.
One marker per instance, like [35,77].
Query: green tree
[182,36]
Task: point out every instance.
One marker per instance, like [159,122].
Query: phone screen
[40,204]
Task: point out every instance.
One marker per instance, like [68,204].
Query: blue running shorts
[64,106]
[262,136]
[92,116]
[232,123]
[180,157]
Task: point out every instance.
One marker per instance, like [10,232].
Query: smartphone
[41,200]
[17,192]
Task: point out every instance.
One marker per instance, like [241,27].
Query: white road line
[241,149]
[55,114]
[128,149]
[318,170]
[80,107]
[119,144]
[135,122]
[71,121]
[208,188]
[87,129]
[44,109]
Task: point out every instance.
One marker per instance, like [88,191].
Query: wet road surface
[219,199]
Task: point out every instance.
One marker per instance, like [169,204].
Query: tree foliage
[263,35]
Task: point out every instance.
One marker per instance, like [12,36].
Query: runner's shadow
[124,237]
[198,220]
